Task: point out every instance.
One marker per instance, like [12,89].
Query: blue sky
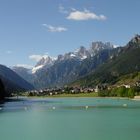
[38,27]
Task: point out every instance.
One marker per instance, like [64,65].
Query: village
[59,90]
[78,90]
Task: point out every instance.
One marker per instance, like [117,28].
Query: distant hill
[126,62]
[25,73]
[12,81]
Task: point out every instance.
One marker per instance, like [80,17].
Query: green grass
[77,95]
[93,94]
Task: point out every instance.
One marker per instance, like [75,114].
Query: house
[96,89]
[127,86]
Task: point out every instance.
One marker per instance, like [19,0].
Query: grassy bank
[76,95]
[113,92]
[65,95]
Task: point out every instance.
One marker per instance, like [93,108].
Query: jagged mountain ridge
[50,72]
[80,54]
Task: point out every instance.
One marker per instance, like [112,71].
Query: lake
[70,119]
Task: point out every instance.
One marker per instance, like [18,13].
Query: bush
[120,92]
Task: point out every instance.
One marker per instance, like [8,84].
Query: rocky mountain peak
[98,46]
[82,53]
[134,42]
[45,61]
[79,55]
[60,57]
[136,39]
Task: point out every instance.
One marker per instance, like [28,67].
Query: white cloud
[55,29]
[9,52]
[24,66]
[62,9]
[84,15]
[37,57]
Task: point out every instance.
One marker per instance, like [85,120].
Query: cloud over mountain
[35,57]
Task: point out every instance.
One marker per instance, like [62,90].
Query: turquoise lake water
[70,119]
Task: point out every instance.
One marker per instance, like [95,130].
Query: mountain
[82,53]
[12,81]
[25,73]
[50,72]
[70,66]
[101,63]
[30,75]
[99,53]
[59,74]
[99,46]
[126,61]
[43,63]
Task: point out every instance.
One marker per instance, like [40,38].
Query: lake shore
[80,95]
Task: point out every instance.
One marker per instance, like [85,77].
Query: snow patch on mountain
[80,54]
[72,55]
[83,57]
[35,69]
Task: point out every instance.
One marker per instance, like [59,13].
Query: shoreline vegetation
[68,95]
[78,95]
[119,92]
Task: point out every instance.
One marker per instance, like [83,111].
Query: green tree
[2,90]
[131,92]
